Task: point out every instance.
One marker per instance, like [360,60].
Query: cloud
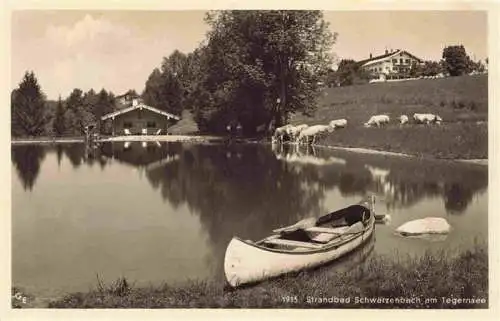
[90,53]
[90,34]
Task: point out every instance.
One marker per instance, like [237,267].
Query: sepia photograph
[249,159]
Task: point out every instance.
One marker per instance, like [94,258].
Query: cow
[377,120]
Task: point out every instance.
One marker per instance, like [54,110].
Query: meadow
[462,102]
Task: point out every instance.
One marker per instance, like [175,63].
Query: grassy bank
[462,102]
[449,141]
[434,275]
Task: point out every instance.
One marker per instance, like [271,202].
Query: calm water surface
[165,212]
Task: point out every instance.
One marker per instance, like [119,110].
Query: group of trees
[455,62]
[33,115]
[254,69]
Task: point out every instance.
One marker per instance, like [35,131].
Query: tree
[153,90]
[262,66]
[431,68]
[477,66]
[59,123]
[90,101]
[79,111]
[456,60]
[132,93]
[104,104]
[166,88]
[349,72]
[29,116]
[75,99]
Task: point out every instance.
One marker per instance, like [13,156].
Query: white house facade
[392,65]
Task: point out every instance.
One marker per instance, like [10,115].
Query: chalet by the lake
[140,119]
[391,65]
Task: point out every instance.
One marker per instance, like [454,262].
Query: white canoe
[248,262]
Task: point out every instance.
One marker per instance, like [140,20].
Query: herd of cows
[308,134]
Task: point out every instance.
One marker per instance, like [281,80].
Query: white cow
[427,118]
[313,132]
[294,131]
[338,123]
[403,119]
[377,120]
[280,133]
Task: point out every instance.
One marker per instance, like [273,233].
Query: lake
[165,212]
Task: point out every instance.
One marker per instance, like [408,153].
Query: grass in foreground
[431,276]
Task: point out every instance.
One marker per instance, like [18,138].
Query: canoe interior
[334,228]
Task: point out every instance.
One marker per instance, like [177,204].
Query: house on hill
[140,119]
[391,65]
[127,98]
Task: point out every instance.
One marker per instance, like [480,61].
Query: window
[400,60]
[127,124]
[394,61]
[407,61]
[151,124]
[395,68]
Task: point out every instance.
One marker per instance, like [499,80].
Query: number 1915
[290,299]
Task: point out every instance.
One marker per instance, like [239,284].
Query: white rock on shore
[428,225]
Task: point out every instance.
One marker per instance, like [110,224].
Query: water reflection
[75,154]
[191,174]
[400,182]
[27,161]
[236,190]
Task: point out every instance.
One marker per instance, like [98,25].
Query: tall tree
[164,89]
[263,66]
[152,93]
[75,99]
[90,101]
[456,60]
[29,115]
[79,112]
[59,123]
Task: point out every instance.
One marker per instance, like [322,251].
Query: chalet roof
[385,56]
[139,106]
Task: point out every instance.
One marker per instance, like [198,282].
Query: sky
[117,50]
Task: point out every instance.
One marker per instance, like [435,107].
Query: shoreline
[208,139]
[451,270]
[361,150]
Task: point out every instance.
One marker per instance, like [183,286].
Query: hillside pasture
[462,102]
[455,99]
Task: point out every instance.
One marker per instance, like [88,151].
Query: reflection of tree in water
[354,183]
[401,183]
[236,190]
[59,151]
[75,154]
[457,197]
[27,160]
